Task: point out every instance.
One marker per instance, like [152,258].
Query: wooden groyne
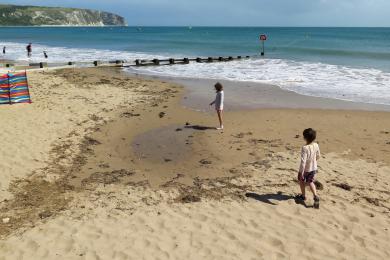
[123,63]
[159,62]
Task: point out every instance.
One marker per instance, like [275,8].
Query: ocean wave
[314,79]
[336,52]
[17,52]
[367,85]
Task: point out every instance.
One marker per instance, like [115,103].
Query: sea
[341,63]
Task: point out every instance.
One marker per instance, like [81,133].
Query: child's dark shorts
[308,177]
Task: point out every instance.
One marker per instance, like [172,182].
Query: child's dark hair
[310,135]
[218,87]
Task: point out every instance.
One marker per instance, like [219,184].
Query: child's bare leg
[316,204]
[219,112]
[313,188]
[303,187]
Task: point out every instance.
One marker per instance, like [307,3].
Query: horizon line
[199,26]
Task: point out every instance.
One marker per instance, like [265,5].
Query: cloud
[239,13]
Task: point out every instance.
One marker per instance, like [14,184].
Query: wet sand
[185,142]
[145,174]
[254,95]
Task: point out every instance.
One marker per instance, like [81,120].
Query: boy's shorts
[308,177]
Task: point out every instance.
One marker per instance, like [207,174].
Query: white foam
[314,79]
[17,52]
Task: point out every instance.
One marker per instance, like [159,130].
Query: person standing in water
[4,50]
[45,54]
[218,102]
[29,50]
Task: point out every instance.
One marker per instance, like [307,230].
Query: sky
[237,12]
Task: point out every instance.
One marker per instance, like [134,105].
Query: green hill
[14,15]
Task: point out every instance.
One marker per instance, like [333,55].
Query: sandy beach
[105,165]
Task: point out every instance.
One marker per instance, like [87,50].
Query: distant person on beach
[29,50]
[4,50]
[218,102]
[310,154]
[45,54]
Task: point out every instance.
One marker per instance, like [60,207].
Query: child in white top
[310,154]
[218,102]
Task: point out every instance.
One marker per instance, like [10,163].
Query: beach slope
[107,166]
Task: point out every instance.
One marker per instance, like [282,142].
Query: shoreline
[60,26]
[271,96]
[133,170]
[256,95]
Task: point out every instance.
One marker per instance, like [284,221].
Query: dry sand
[115,168]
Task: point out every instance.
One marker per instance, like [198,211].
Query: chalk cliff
[14,15]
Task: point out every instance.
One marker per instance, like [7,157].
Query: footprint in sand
[360,241]
[372,232]
[353,219]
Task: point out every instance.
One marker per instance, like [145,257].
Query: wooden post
[137,62]
[9,90]
[97,63]
[220,58]
[198,59]
[28,88]
[171,61]
[70,63]
[239,57]
[156,61]
[210,59]
[186,61]
[230,58]
[43,65]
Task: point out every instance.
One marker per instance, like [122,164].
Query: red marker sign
[263,38]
